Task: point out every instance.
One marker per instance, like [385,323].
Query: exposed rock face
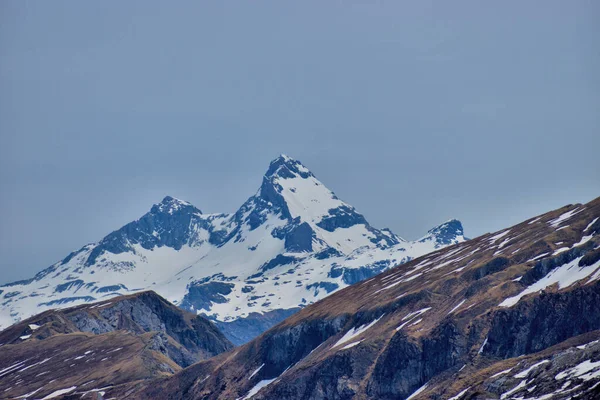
[243,330]
[406,363]
[510,315]
[122,340]
[544,321]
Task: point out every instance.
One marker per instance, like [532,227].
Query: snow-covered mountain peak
[171,205]
[290,244]
[287,167]
[450,232]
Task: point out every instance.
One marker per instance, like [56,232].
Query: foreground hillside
[90,348]
[291,244]
[509,315]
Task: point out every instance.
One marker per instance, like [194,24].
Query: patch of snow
[494,238]
[563,217]
[60,392]
[349,346]
[24,337]
[504,243]
[262,384]
[538,257]
[565,275]
[256,371]
[583,346]
[590,224]
[113,350]
[418,391]
[457,306]
[354,332]
[561,250]
[583,240]
[461,394]
[29,394]
[520,386]
[33,327]
[523,374]
[582,371]
[506,371]
[12,368]
[416,313]
[482,346]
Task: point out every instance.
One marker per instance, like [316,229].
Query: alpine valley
[291,244]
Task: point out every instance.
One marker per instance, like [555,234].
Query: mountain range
[291,244]
[510,315]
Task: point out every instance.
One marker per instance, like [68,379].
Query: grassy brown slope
[462,286]
[123,340]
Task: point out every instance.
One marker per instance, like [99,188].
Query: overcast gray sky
[413,112]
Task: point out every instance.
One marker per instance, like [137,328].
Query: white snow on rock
[354,332]
[416,313]
[565,216]
[60,392]
[539,256]
[564,276]
[506,371]
[586,370]
[461,394]
[561,250]
[483,346]
[417,392]
[583,240]
[256,371]
[262,384]
[351,345]
[500,235]
[520,386]
[590,224]
[523,374]
[457,306]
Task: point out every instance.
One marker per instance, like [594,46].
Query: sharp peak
[171,204]
[452,227]
[170,200]
[287,167]
[450,224]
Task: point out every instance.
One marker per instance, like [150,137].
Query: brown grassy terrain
[94,347]
[439,323]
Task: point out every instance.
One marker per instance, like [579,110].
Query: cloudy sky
[414,111]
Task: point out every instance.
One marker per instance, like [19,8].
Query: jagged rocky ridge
[106,344]
[292,243]
[509,315]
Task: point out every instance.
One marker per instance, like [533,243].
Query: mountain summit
[289,245]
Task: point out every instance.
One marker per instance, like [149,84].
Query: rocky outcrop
[543,321]
[122,340]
